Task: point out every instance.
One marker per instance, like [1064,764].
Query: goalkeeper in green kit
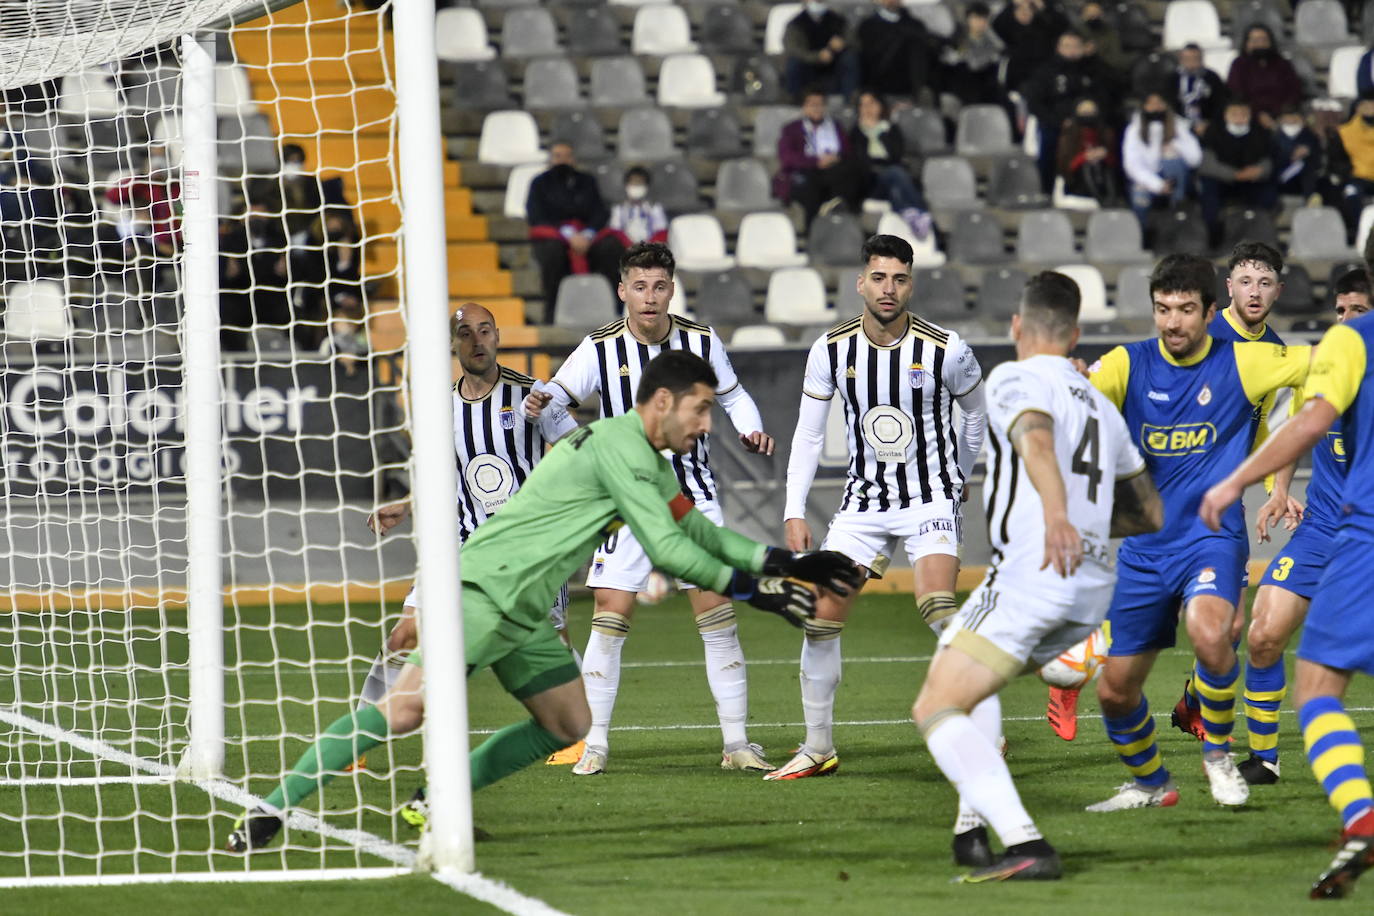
[594,480]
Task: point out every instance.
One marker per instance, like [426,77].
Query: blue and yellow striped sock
[1134,737]
[1264,691]
[1337,756]
[1190,689]
[1218,696]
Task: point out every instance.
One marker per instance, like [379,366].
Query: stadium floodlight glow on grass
[188,592]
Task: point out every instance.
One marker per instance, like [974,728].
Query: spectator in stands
[1028,29]
[347,332]
[1297,154]
[818,52]
[1263,77]
[150,203]
[880,146]
[819,169]
[1199,93]
[301,194]
[1054,91]
[267,264]
[973,59]
[895,52]
[1087,159]
[30,202]
[1103,40]
[567,220]
[639,218]
[235,280]
[325,268]
[1352,160]
[1237,165]
[1159,153]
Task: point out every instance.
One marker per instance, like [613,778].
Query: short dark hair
[1192,46]
[1259,253]
[887,246]
[1185,273]
[809,91]
[637,171]
[292,149]
[978,8]
[677,370]
[1051,301]
[1076,33]
[1352,281]
[648,255]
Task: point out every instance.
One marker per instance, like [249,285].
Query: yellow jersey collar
[1193,360]
[1239,328]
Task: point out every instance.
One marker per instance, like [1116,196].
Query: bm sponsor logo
[1173,441]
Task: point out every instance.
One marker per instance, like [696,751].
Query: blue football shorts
[1300,565]
[1151,588]
[1340,626]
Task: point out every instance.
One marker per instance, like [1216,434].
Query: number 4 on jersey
[1091,467]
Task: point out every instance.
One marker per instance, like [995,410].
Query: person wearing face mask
[1297,154]
[1237,165]
[1028,29]
[819,168]
[818,52]
[1055,90]
[972,59]
[300,192]
[1159,153]
[638,218]
[1199,94]
[1105,40]
[895,51]
[1087,158]
[1264,77]
[1352,161]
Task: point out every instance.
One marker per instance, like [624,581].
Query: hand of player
[826,568]
[1216,501]
[797,533]
[387,517]
[535,402]
[405,635]
[1063,547]
[1276,509]
[757,443]
[1293,514]
[792,601]
[1079,366]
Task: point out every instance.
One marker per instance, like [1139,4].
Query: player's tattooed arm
[1032,435]
[1136,506]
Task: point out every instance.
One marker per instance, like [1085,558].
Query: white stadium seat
[661,29]
[768,240]
[698,242]
[518,188]
[460,33]
[796,295]
[688,81]
[1093,289]
[509,138]
[1192,21]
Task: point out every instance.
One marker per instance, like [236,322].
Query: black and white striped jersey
[898,409]
[608,364]
[496,447]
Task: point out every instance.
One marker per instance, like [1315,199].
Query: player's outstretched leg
[1265,687]
[1337,758]
[1218,695]
[970,845]
[601,678]
[820,678]
[1134,737]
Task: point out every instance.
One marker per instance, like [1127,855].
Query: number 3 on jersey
[1282,569]
[1087,458]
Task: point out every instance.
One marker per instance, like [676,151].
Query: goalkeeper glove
[826,568]
[790,600]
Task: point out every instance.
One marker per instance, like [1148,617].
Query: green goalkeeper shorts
[525,660]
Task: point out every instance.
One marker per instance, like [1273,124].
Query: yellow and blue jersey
[1226,326]
[1328,478]
[1195,420]
[1338,376]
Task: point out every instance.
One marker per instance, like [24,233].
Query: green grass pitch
[665,830]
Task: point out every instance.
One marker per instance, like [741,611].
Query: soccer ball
[656,589]
[1077,665]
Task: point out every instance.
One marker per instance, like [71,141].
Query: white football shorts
[1011,630]
[558,614]
[869,538]
[622,564]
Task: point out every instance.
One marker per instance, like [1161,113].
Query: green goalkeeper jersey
[594,480]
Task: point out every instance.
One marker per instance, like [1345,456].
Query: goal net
[109,688]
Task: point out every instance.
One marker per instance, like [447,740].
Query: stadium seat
[757,336]
[167,131]
[1060,199]
[1132,22]
[1364,226]
[767,240]
[778,16]
[924,252]
[675,187]
[1297,297]
[1093,290]
[1192,21]
[460,33]
[645,135]
[755,81]
[36,310]
[1245,13]
[949,183]
[1219,60]
[1179,231]
[661,29]
[89,93]
[1000,295]
[677,305]
[983,130]
[551,82]
[509,138]
[1248,226]
[1114,237]
[617,82]
[724,297]
[698,242]
[233,94]
[923,130]
[1318,23]
[610,178]
[768,122]
[725,29]
[481,86]
[743,186]
[1341,74]
[835,239]
[594,31]
[940,292]
[936,17]
[688,81]
[1318,233]
[976,239]
[518,188]
[714,133]
[1133,292]
[796,296]
[585,301]
[583,131]
[1044,237]
[528,31]
[1015,184]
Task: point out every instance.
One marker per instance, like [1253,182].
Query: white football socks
[820,678]
[987,718]
[974,766]
[601,673]
[725,673]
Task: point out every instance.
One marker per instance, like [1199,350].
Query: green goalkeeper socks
[512,748]
[346,740]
